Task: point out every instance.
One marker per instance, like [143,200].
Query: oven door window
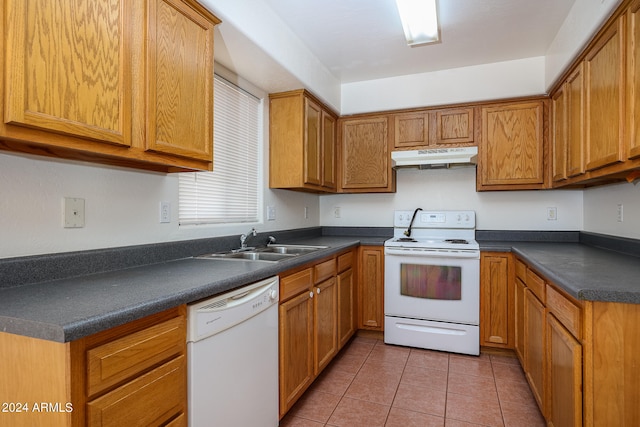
[439,282]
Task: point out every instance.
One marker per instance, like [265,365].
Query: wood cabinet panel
[346,307]
[559,135]
[179,68]
[633,80]
[371,288]
[56,81]
[293,284]
[564,404]
[575,122]
[302,143]
[345,261]
[604,88]
[325,317]
[536,284]
[324,270]
[364,156]
[296,348]
[152,399]
[534,347]
[411,130]
[496,294]
[568,313]
[512,146]
[119,360]
[519,291]
[454,126]
[312,142]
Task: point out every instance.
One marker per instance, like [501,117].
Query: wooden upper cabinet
[68,68]
[604,84]
[454,126]
[365,163]
[109,81]
[411,130]
[302,143]
[633,80]
[512,146]
[431,128]
[559,136]
[179,74]
[575,111]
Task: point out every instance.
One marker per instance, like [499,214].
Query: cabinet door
[296,348]
[180,80]
[325,319]
[495,296]
[371,288]
[312,141]
[604,83]
[329,171]
[575,122]
[633,79]
[559,136]
[519,319]
[364,156]
[454,126]
[565,376]
[68,66]
[346,305]
[534,346]
[411,130]
[512,148]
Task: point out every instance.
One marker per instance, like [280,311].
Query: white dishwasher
[232,348]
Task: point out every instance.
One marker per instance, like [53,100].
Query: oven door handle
[423,252]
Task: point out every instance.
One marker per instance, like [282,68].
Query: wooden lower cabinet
[134,374]
[519,290]
[564,369]
[534,346]
[316,320]
[296,348]
[371,288]
[496,300]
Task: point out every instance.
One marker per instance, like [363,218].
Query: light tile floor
[373,384]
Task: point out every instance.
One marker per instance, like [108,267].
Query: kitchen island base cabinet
[129,375]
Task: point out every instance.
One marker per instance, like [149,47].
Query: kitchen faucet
[244,237]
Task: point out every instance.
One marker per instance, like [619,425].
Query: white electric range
[432,281]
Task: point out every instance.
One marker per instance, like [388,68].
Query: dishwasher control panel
[214,315]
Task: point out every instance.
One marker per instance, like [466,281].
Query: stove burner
[406,239]
[457,241]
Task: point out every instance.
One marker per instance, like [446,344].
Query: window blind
[228,194]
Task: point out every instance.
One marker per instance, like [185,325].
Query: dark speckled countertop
[107,288]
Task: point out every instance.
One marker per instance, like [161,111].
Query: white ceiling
[363,39]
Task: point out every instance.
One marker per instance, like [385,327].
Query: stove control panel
[435,219]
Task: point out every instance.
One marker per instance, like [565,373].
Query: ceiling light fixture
[419,20]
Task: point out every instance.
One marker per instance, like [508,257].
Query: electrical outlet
[620,212]
[552,214]
[73,212]
[306,212]
[165,212]
[336,212]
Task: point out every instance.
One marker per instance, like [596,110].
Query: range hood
[434,158]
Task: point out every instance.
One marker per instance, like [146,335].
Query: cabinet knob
[311,294]
[318,290]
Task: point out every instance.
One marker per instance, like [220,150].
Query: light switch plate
[73,212]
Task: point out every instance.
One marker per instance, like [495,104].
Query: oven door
[432,285]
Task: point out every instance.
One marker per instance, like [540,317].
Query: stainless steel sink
[271,253]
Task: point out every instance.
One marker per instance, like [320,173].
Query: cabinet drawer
[565,311]
[345,261]
[324,270]
[521,270]
[536,284]
[295,283]
[124,358]
[151,399]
